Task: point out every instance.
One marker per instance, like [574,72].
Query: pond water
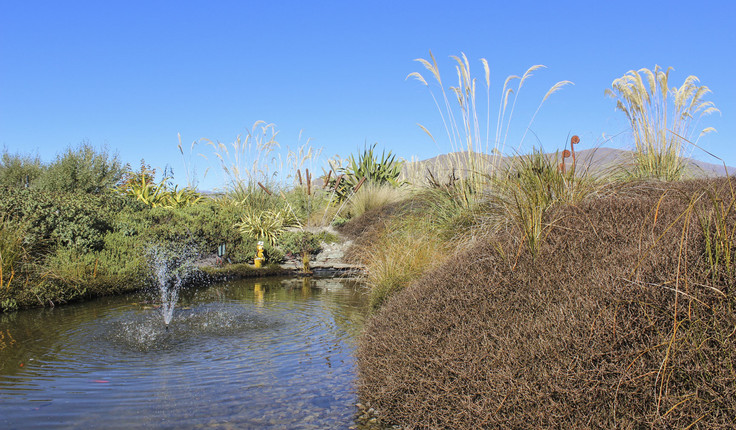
[274,353]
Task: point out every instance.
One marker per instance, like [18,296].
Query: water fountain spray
[172,268]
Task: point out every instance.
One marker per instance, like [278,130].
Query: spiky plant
[661,117]
[265,225]
[385,170]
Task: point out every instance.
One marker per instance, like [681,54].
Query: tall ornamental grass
[463,122]
[661,119]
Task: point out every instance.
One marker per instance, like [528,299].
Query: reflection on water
[244,354]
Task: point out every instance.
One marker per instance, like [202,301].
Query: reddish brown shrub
[617,323]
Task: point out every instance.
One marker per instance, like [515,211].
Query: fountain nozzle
[166,326]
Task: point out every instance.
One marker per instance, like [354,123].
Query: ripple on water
[281,358]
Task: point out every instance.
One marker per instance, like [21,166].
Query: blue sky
[131,75]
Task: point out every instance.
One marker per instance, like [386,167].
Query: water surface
[245,354]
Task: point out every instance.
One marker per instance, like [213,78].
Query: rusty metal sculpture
[575,139]
[565,154]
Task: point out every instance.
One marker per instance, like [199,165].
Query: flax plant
[471,147]
[660,116]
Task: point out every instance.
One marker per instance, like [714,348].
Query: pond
[274,353]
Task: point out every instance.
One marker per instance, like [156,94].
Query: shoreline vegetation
[543,289]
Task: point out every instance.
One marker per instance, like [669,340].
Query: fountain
[173,267]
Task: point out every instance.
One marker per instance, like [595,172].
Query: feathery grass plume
[189,168]
[462,124]
[659,115]
[248,160]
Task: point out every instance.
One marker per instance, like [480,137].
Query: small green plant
[661,119]
[8,305]
[298,242]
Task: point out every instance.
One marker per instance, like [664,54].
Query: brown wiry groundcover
[619,321]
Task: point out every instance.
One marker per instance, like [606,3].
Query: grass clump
[531,185]
[374,196]
[662,118]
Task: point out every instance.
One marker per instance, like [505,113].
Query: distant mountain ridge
[595,160]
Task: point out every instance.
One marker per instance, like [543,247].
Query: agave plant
[367,167]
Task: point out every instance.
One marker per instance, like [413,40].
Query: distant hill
[595,160]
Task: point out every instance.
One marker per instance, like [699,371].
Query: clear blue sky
[132,74]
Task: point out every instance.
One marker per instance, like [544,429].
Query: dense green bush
[62,219]
[296,242]
[84,170]
[19,171]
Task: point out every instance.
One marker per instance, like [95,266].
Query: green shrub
[82,170]
[19,171]
[297,242]
[61,219]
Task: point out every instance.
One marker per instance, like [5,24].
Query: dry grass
[617,323]
[374,196]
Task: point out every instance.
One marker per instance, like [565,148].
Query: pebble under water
[268,354]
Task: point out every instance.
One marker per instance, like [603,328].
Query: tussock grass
[661,118]
[374,196]
[531,185]
[618,322]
